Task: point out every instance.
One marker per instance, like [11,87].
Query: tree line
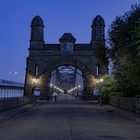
[124,52]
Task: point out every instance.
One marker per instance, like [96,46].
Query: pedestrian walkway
[70,119]
[66,97]
[123,113]
[10,114]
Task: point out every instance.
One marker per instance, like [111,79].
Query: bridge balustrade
[12,97]
[11,92]
[13,102]
[131,104]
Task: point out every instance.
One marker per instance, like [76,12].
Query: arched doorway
[67,80]
[87,75]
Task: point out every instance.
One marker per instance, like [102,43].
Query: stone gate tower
[43,58]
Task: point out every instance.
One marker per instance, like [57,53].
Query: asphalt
[69,119]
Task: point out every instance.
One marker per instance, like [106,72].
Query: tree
[124,51]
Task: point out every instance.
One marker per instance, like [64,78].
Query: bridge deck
[69,119]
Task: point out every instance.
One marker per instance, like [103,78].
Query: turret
[37,31]
[98,30]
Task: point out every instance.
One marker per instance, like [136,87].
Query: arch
[65,60]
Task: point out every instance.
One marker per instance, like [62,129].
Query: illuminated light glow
[51,85]
[79,86]
[57,88]
[16,72]
[13,72]
[35,80]
[101,80]
[97,81]
[75,88]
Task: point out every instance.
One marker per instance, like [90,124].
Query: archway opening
[66,79]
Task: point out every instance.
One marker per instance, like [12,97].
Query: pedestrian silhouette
[54,96]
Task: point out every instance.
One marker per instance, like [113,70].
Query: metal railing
[11,95]
[13,102]
[131,104]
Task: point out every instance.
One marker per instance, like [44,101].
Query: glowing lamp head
[101,80]
[51,85]
[35,80]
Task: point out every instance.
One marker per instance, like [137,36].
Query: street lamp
[51,85]
[35,81]
[101,80]
[79,86]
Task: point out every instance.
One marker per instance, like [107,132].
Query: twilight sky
[59,16]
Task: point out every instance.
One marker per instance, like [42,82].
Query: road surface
[69,119]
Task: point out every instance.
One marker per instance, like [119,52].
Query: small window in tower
[97,69]
[36,70]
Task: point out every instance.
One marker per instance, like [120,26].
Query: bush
[107,88]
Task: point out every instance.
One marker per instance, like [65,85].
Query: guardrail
[13,102]
[131,104]
[11,95]
[11,89]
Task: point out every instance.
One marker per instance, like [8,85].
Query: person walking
[54,96]
[77,95]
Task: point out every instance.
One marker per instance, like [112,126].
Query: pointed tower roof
[67,37]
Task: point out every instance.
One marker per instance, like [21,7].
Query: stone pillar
[43,86]
[28,88]
[89,86]
[43,92]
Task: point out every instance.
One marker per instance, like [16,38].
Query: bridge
[28,112]
[69,118]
